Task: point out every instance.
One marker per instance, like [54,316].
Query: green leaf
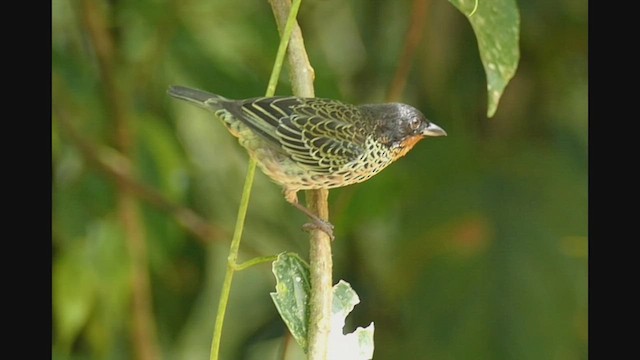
[292,294]
[496,24]
[357,345]
[292,301]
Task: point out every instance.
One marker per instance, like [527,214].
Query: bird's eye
[414,123]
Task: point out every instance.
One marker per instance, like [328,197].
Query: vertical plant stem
[301,72]
[231,261]
[244,201]
[321,266]
[320,259]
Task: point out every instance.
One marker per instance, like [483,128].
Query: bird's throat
[408,144]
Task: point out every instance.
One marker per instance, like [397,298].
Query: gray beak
[433,130]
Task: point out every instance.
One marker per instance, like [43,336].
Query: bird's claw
[319,224]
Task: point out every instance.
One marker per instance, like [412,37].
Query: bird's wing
[263,115]
[322,134]
[318,133]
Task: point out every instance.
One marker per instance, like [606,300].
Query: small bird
[316,143]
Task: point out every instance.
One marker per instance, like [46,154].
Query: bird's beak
[433,130]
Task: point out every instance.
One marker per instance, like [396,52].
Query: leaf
[292,294]
[496,24]
[357,345]
[292,301]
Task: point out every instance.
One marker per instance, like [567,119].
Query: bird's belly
[292,175]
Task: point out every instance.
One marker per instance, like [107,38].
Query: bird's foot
[319,224]
[316,222]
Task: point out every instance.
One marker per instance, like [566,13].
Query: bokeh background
[473,246]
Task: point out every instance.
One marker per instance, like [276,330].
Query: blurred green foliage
[473,246]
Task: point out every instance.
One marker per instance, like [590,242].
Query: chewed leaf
[496,24]
[357,345]
[292,294]
[292,301]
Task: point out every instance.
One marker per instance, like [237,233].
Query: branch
[320,261]
[114,165]
[144,328]
[232,265]
[412,40]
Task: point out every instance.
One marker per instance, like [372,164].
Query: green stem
[232,266]
[320,260]
[255,261]
[231,261]
[284,42]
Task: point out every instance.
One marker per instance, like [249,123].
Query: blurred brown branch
[113,164]
[411,42]
[95,21]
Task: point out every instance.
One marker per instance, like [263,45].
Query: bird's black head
[400,125]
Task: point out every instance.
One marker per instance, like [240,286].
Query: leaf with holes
[357,345]
[292,301]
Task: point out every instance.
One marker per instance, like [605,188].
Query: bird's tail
[201,98]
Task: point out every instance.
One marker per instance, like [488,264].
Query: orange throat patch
[408,144]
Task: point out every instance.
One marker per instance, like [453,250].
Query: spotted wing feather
[317,133]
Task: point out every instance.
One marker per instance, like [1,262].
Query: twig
[232,262]
[320,260]
[232,265]
[113,165]
[412,40]
[321,266]
[144,328]
[301,72]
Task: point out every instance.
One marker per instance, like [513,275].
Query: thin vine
[232,265]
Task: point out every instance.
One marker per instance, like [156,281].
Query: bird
[305,143]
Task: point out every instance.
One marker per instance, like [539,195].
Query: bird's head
[400,126]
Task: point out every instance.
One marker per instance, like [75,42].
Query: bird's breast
[407,145]
[293,175]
